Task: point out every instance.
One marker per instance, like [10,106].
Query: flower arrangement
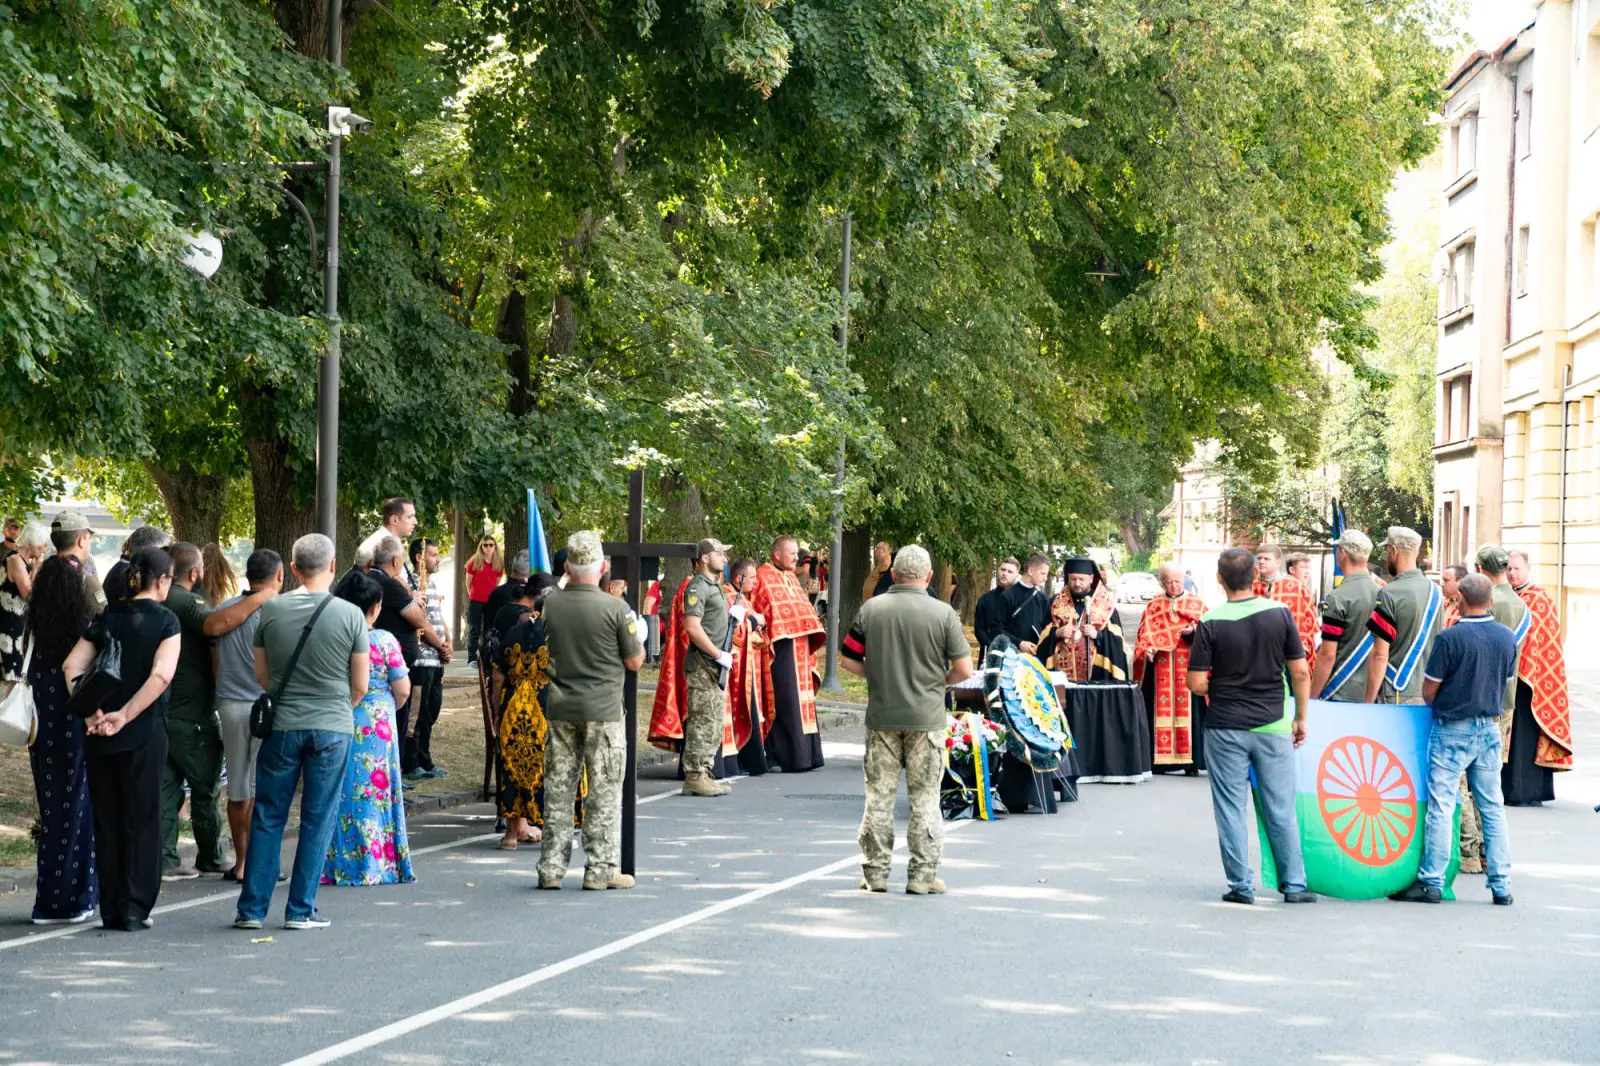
[958,738]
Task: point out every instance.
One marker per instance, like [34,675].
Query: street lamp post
[328,368]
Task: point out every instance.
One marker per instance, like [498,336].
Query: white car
[1137,588]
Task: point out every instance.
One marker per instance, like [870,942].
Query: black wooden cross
[633,552]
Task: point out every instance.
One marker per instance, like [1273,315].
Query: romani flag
[1362,800]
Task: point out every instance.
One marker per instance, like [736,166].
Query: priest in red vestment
[1161,667]
[1273,583]
[744,727]
[1449,578]
[1541,728]
[793,635]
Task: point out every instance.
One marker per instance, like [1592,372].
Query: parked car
[1137,587]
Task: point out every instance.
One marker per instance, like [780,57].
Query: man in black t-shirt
[1246,656]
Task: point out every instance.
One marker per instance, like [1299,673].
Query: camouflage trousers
[571,748]
[702,719]
[1471,829]
[922,755]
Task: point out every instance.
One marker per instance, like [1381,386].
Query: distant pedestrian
[910,648]
[116,586]
[369,845]
[221,583]
[1248,659]
[1465,682]
[399,520]
[125,748]
[60,608]
[21,563]
[237,691]
[593,642]
[484,571]
[311,732]
[427,673]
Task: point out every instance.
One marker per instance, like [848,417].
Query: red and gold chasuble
[779,598]
[1159,630]
[672,688]
[1294,595]
[1544,669]
[1451,615]
[1074,654]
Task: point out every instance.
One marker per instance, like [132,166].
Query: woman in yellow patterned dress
[524,663]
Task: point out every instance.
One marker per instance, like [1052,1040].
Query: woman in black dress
[126,746]
[60,608]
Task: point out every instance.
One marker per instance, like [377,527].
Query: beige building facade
[1517,459]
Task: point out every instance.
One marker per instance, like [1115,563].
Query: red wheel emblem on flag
[1367,800]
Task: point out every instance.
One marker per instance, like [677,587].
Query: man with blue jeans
[1465,683]
[1246,656]
[312,731]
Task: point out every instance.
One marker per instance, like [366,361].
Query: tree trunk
[851,571]
[683,520]
[194,500]
[347,534]
[306,23]
[968,586]
[511,329]
[280,521]
[942,572]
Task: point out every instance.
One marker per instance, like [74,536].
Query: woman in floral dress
[369,845]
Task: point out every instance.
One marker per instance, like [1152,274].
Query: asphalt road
[1094,936]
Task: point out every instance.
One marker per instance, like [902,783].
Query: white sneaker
[76,919]
[314,920]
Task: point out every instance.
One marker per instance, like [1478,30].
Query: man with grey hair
[593,641]
[311,658]
[1405,619]
[1340,670]
[1539,743]
[498,613]
[910,648]
[1161,670]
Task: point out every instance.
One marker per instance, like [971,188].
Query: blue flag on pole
[538,546]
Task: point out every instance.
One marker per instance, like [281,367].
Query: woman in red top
[484,571]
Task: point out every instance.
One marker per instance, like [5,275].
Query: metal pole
[830,673]
[630,684]
[328,369]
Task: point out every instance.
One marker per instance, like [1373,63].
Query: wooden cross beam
[633,552]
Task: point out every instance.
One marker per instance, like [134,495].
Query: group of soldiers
[1371,641]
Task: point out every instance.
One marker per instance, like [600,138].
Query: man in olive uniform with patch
[706,621]
[1340,671]
[593,641]
[910,648]
[1406,618]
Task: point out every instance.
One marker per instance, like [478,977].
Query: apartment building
[1517,456]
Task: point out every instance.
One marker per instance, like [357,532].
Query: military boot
[700,783]
[925,887]
[594,884]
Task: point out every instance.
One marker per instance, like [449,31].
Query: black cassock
[989,617]
[1028,617]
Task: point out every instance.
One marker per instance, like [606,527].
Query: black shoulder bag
[104,676]
[264,711]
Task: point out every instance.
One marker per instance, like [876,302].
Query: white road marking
[446,1011]
[233,894]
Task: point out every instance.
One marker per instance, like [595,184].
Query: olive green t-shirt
[703,599]
[907,640]
[1509,610]
[1345,611]
[192,682]
[588,634]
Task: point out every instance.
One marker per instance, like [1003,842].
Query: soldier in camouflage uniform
[909,647]
[593,641]
[706,621]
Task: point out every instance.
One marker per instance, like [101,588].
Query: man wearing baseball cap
[1404,622]
[71,536]
[593,641]
[1340,671]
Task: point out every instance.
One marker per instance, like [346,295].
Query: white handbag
[19,719]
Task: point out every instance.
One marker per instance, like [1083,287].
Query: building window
[1464,145]
[1458,277]
[1466,532]
[1446,538]
[1524,240]
[1588,269]
[1455,402]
